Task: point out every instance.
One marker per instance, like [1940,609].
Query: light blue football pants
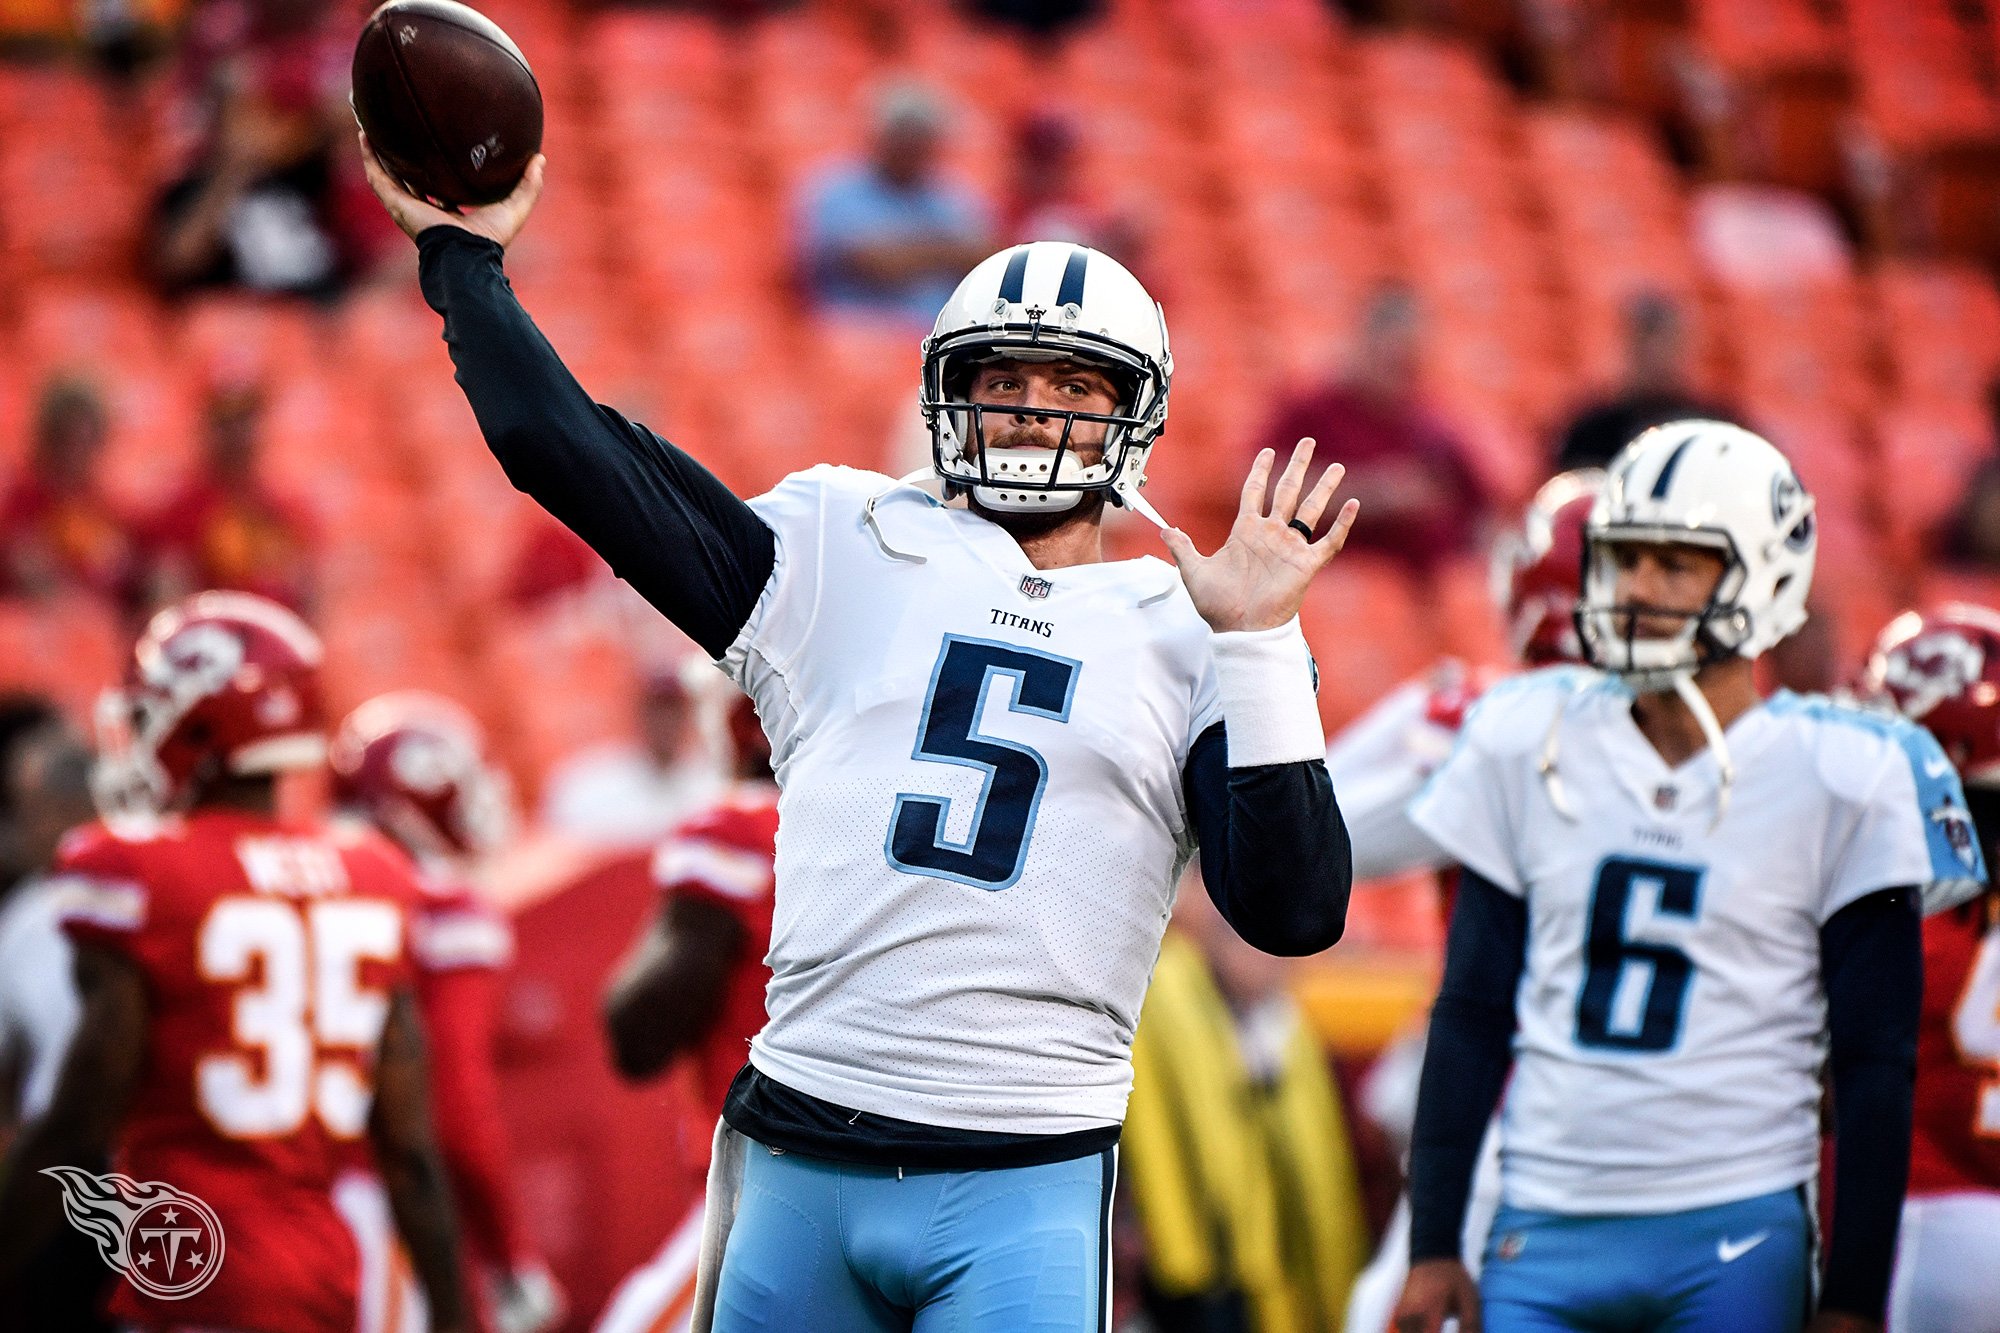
[1741,1267]
[834,1248]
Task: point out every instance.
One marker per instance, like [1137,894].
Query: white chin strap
[1549,767]
[1711,731]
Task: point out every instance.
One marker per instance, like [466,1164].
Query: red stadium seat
[68,648]
[393,636]
[1471,622]
[1929,452]
[1366,633]
[1939,325]
[82,326]
[568,681]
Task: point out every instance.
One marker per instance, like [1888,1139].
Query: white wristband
[1265,678]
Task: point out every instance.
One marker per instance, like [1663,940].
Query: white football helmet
[1047,301]
[1702,483]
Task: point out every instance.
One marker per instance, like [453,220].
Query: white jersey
[38,1001]
[981,822]
[1383,759]
[1671,1017]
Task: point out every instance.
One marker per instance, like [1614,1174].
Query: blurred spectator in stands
[1048,199]
[889,236]
[1236,1144]
[227,527]
[272,198]
[631,793]
[1657,387]
[59,531]
[1038,18]
[1970,537]
[44,792]
[1407,466]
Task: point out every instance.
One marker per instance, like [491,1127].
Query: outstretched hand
[1258,578]
[500,222]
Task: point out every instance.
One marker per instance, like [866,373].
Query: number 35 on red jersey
[270,950]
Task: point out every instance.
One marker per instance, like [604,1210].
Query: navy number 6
[1653,1023]
[996,846]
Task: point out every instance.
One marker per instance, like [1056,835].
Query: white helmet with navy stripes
[1049,301]
[1703,483]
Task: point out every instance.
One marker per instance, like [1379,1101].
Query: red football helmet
[220,683]
[1941,669]
[1538,569]
[416,765]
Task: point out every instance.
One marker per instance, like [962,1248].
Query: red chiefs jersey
[1956,1141]
[460,947]
[270,949]
[724,856]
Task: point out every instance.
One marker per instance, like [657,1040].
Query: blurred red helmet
[1538,569]
[1941,669]
[416,765]
[222,683]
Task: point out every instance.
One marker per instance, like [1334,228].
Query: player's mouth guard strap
[1265,680]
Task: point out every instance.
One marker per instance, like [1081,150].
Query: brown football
[447,100]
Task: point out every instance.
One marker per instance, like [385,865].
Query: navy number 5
[1606,1014]
[996,846]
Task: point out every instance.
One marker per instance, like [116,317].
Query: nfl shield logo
[1511,1245]
[1035,586]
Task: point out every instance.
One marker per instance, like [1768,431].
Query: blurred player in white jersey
[1684,911]
[1383,760]
[1942,670]
[997,750]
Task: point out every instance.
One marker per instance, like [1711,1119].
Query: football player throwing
[996,751]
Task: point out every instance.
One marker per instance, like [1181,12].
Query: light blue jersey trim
[1956,856]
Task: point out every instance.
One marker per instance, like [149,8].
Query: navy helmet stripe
[1071,291]
[1015,279]
[1666,477]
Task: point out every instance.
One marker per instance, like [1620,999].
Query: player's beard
[1026,523]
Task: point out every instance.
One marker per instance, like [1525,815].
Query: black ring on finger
[1302,529]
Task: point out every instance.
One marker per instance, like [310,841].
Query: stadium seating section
[1282,162]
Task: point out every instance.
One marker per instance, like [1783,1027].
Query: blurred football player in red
[1942,669]
[415,766]
[694,986]
[1380,763]
[246,1011]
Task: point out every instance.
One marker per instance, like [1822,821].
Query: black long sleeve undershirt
[1274,847]
[660,519]
[1466,1060]
[1871,964]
